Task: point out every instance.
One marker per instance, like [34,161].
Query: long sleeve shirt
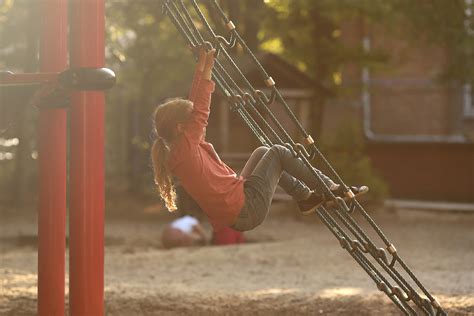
[214,185]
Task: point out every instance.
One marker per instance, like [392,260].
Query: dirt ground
[290,266]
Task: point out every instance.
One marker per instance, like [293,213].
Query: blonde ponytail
[166,118]
[163,177]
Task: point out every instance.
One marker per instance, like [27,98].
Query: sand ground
[290,266]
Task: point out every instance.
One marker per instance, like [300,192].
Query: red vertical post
[86,220]
[52,167]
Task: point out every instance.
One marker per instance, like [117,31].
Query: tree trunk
[322,29]
[21,184]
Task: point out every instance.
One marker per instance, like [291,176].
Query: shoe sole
[311,210]
[346,199]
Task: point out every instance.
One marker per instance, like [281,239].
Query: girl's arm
[201,109]
[198,74]
[207,71]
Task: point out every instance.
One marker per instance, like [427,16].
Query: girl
[240,202]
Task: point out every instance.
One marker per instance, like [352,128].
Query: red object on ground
[86,221]
[52,166]
[227,236]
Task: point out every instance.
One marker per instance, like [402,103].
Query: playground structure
[254,106]
[55,83]
[86,186]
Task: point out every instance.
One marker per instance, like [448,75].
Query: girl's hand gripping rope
[209,64]
[202,59]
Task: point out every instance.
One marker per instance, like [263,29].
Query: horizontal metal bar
[28,78]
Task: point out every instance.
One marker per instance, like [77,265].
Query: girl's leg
[261,184]
[254,159]
[292,186]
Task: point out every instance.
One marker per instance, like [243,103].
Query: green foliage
[444,24]
[308,34]
[347,154]
[19,33]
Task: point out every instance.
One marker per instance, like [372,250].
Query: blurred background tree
[152,63]
[19,32]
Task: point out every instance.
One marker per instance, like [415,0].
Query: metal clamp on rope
[345,244]
[248,97]
[229,43]
[380,253]
[230,26]
[238,99]
[309,140]
[269,82]
[358,245]
[391,248]
[393,251]
[301,149]
[290,147]
[259,95]
[383,287]
[398,292]
[272,96]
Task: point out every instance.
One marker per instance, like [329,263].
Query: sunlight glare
[273,291]
[9,142]
[340,291]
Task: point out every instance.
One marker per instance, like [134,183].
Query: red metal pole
[86,221]
[52,167]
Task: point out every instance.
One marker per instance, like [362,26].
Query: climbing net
[383,264]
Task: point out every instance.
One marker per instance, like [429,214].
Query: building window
[468,91]
[468,97]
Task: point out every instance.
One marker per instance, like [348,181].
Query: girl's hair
[166,118]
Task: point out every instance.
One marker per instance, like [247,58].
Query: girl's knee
[261,150]
[278,149]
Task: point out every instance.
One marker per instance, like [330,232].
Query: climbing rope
[387,270]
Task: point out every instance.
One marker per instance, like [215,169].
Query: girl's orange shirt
[214,185]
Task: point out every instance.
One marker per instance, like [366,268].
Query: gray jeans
[267,168]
